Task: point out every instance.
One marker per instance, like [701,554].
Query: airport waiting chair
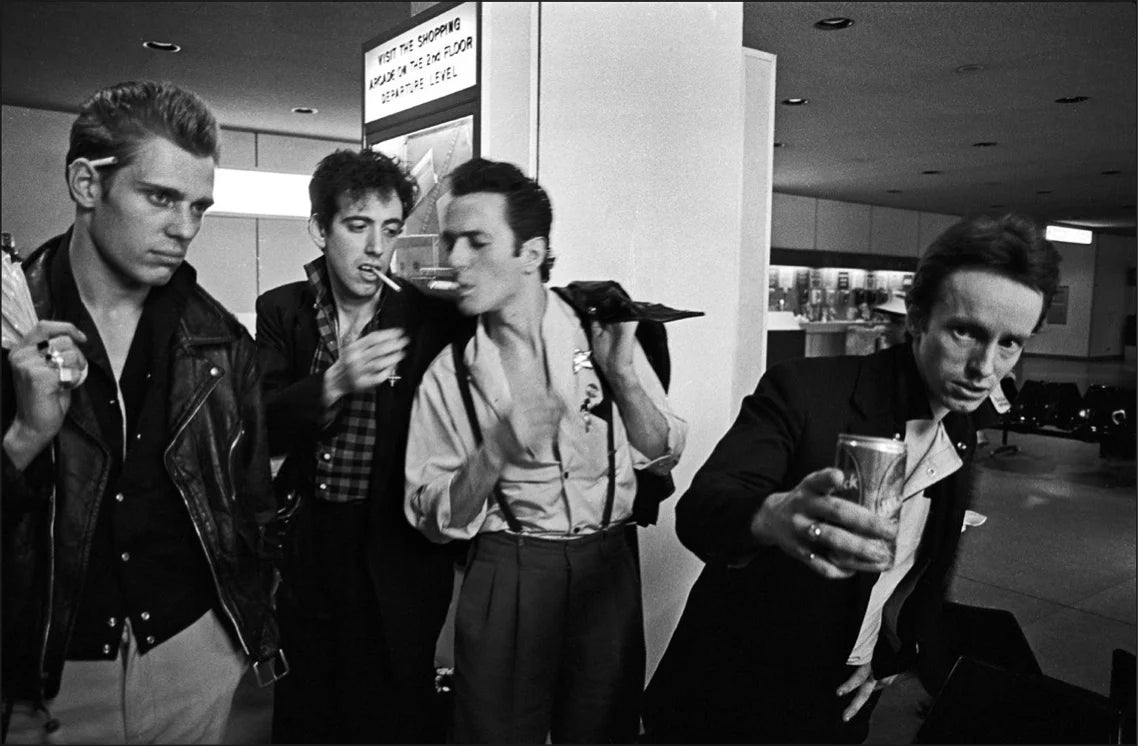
[1123,674]
[984,703]
[992,636]
[1029,407]
[1065,404]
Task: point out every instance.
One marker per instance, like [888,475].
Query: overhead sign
[432,60]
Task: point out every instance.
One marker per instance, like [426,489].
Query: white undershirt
[930,457]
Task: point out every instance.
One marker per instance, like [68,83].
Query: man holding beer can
[821,584]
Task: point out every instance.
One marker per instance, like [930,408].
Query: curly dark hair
[355,173]
[1013,246]
[116,120]
[528,211]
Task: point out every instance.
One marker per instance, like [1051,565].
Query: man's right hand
[832,536]
[364,364]
[42,396]
[529,427]
[525,431]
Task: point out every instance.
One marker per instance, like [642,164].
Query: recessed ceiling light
[985,144]
[795,101]
[304,110]
[970,68]
[1072,100]
[836,23]
[892,191]
[932,171]
[162,46]
[1112,172]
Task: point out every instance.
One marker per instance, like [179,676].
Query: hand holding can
[873,471]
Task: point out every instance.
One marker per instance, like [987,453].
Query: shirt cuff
[432,514]
[666,461]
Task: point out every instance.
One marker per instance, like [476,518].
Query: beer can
[873,473]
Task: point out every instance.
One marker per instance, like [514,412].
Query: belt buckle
[267,671]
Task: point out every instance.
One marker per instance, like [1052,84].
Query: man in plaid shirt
[363,595]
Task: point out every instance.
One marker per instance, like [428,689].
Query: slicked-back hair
[528,211]
[117,120]
[1012,246]
[355,173]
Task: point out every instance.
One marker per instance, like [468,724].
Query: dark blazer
[412,577]
[773,613]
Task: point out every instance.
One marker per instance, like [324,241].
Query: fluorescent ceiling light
[260,194]
[1068,235]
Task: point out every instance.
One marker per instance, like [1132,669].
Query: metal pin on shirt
[585,414]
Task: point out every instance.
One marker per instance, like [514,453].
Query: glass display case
[821,311]
[825,294]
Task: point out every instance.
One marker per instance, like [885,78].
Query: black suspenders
[462,373]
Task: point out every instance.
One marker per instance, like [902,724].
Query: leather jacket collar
[200,324]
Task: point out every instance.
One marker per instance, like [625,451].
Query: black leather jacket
[217,458]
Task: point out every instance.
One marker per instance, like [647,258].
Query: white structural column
[754,253]
[632,117]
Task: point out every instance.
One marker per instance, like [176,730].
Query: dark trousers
[549,640]
[341,687]
[762,705]
[336,685]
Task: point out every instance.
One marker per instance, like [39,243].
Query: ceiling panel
[885,102]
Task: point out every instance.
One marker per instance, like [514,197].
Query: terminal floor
[1057,550]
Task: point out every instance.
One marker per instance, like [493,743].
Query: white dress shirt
[930,457]
[558,493]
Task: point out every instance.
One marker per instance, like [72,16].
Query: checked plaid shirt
[345,449]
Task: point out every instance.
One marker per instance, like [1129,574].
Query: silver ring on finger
[814,531]
[54,358]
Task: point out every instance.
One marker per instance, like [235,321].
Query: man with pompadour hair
[138,523]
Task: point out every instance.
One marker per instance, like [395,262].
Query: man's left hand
[862,684]
[613,345]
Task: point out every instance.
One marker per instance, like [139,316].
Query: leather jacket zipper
[50,573]
[186,499]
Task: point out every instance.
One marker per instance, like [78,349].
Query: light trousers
[179,692]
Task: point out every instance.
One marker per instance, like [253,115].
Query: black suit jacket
[774,613]
[412,577]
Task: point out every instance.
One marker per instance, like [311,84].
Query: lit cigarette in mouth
[387,280]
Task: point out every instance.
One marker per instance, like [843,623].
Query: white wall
[236,258]
[1077,270]
[643,159]
[1112,303]
[510,83]
[34,205]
